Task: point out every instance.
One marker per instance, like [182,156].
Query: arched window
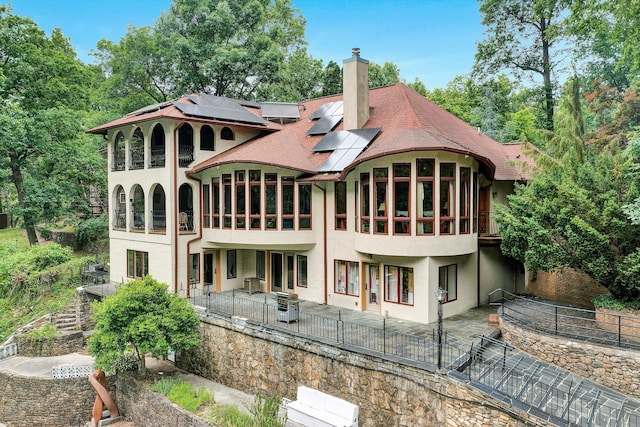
[136,150]
[157,147]
[118,153]
[185,145]
[159,210]
[185,208]
[207,138]
[119,203]
[227,133]
[137,209]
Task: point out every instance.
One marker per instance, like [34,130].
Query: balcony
[185,222]
[488,229]
[158,221]
[118,163]
[137,159]
[120,219]
[157,160]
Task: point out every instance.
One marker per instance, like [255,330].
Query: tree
[332,79]
[524,37]
[43,96]
[144,318]
[299,78]
[570,213]
[386,75]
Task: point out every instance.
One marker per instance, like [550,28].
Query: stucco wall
[245,357]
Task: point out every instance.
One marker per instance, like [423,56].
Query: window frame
[132,264]
[207,146]
[365,203]
[340,203]
[444,275]
[465,200]
[302,276]
[288,202]
[227,201]
[401,225]
[232,264]
[404,278]
[303,199]
[425,225]
[350,289]
[255,199]
[206,206]
[240,194]
[381,214]
[447,222]
[261,264]
[270,201]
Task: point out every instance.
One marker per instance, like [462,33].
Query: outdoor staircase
[66,321]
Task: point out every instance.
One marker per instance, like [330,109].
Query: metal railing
[608,328]
[379,340]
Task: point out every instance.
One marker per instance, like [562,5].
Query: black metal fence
[378,340]
[605,328]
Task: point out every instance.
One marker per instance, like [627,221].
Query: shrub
[92,229]
[608,301]
[229,416]
[265,411]
[181,393]
[126,362]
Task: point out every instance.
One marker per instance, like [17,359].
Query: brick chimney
[355,80]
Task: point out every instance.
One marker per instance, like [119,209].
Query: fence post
[556,311]
[384,336]
[619,330]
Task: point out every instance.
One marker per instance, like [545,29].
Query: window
[254,199]
[122,197]
[424,196]
[206,206]
[346,280]
[288,210]
[241,190]
[137,264]
[302,271]
[448,280]
[185,145]
[207,138]
[304,206]
[227,134]
[380,181]
[232,271]
[398,284]
[341,205]
[261,262]
[465,200]
[136,151]
[271,200]
[194,269]
[118,153]
[365,204]
[401,185]
[356,187]
[215,184]
[157,146]
[447,198]
[226,194]
[474,186]
[137,213]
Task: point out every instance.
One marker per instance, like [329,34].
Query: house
[367,200]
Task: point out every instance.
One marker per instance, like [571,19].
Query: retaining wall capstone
[616,368]
[244,356]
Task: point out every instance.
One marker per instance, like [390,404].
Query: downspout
[324,193]
[198,237]
[175,206]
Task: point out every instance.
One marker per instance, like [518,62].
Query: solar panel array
[280,110]
[215,107]
[346,146]
[328,109]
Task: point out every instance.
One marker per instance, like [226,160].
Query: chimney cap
[355,51]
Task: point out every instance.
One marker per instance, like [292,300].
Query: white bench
[314,408]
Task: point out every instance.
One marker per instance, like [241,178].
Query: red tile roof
[409,122]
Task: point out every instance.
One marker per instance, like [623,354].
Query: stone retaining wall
[626,324]
[64,343]
[616,368]
[29,401]
[247,357]
[143,407]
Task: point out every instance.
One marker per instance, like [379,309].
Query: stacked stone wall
[64,343]
[248,358]
[616,368]
[29,401]
[143,407]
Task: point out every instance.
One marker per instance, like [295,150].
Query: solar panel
[356,138]
[149,108]
[280,110]
[224,110]
[328,109]
[339,159]
[324,125]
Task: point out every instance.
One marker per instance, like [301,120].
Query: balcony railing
[120,218]
[156,160]
[137,159]
[488,225]
[158,221]
[118,163]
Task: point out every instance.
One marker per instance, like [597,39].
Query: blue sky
[433,40]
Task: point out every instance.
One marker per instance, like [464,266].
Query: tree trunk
[546,76]
[29,225]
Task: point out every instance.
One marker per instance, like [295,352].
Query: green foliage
[92,229]
[45,333]
[143,317]
[182,393]
[265,411]
[229,416]
[127,362]
[332,79]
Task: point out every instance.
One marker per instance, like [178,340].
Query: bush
[181,393]
[126,362]
[609,302]
[92,229]
[229,416]
[265,411]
